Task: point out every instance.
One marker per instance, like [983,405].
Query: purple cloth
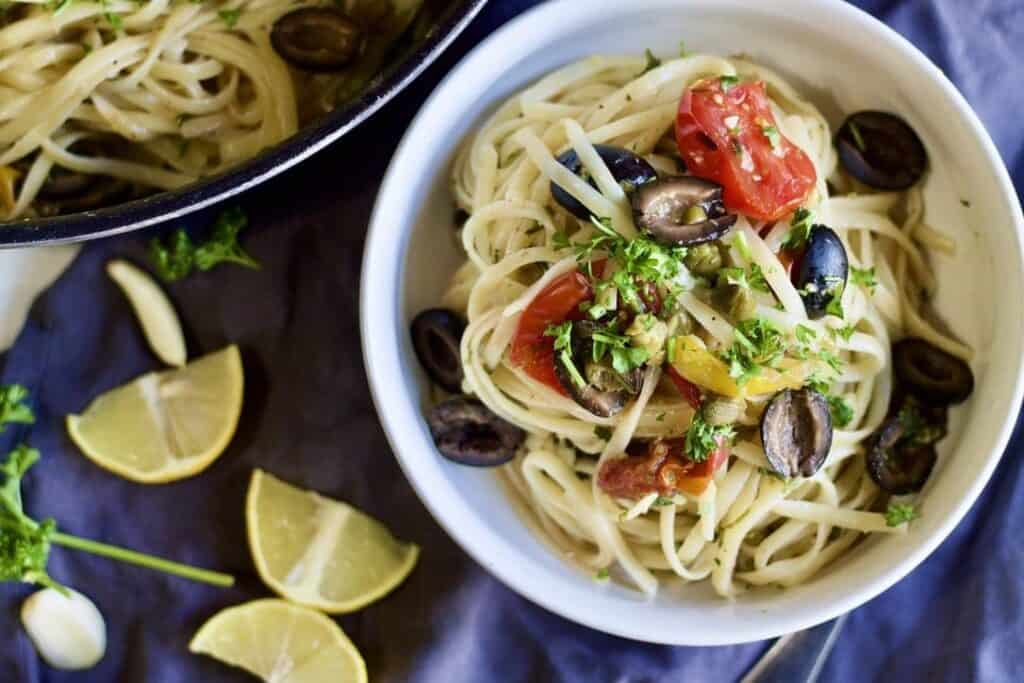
[308,419]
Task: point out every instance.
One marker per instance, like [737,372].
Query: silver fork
[798,657]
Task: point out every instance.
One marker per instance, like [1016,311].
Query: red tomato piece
[664,470]
[730,136]
[689,390]
[559,301]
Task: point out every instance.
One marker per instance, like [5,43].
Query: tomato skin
[758,180]
[689,390]
[531,350]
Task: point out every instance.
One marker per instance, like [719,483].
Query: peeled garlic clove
[153,309]
[68,631]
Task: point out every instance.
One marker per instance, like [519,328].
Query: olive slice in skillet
[467,432]
[930,373]
[316,38]
[603,391]
[436,336]
[881,150]
[796,430]
[681,210]
[628,169]
[821,275]
[899,465]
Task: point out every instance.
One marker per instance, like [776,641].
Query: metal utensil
[798,657]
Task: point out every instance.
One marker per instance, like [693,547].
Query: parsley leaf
[772,133]
[702,438]
[865,277]
[601,574]
[843,333]
[230,16]
[728,82]
[652,61]
[757,344]
[175,257]
[804,334]
[898,514]
[803,221]
[683,52]
[841,411]
[13,407]
[603,433]
[563,346]
[835,304]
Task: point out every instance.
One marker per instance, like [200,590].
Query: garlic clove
[68,631]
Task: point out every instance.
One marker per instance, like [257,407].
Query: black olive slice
[436,336]
[931,374]
[604,392]
[467,432]
[681,210]
[881,150]
[316,38]
[627,168]
[899,465]
[796,430]
[821,275]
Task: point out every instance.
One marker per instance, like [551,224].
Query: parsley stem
[143,560]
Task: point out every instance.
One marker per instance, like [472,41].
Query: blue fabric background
[308,418]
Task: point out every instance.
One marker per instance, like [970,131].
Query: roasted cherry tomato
[559,301]
[727,133]
[662,468]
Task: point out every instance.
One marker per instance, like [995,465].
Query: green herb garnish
[175,257]
[602,432]
[865,277]
[804,334]
[803,221]
[563,346]
[899,514]
[703,438]
[756,344]
[25,543]
[841,411]
[229,16]
[728,82]
[772,133]
[652,61]
[13,407]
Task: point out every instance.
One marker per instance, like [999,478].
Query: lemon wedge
[281,643]
[319,552]
[164,426]
[153,309]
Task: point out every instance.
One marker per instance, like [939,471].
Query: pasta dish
[692,326]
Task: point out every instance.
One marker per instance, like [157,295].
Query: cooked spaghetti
[699,350]
[104,100]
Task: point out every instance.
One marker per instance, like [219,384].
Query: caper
[704,259]
[735,300]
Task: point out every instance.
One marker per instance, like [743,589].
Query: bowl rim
[171,204]
[381,320]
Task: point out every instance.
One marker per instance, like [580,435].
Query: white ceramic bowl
[844,60]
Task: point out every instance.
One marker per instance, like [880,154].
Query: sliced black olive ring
[467,432]
[316,38]
[930,373]
[681,210]
[436,337]
[626,167]
[881,150]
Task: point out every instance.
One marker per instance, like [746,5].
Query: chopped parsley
[916,430]
[601,575]
[841,411]
[754,279]
[703,438]
[898,514]
[59,6]
[652,61]
[683,52]
[965,203]
[772,133]
[843,333]
[835,304]
[728,82]
[230,16]
[756,344]
[603,433]
[865,277]
[624,357]
[804,334]
[563,346]
[803,221]
[662,501]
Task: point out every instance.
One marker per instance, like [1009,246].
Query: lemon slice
[281,643]
[164,426]
[318,552]
[154,311]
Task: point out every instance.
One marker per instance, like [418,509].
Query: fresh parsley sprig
[176,257]
[756,344]
[13,407]
[25,543]
[800,229]
[703,438]
[865,277]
